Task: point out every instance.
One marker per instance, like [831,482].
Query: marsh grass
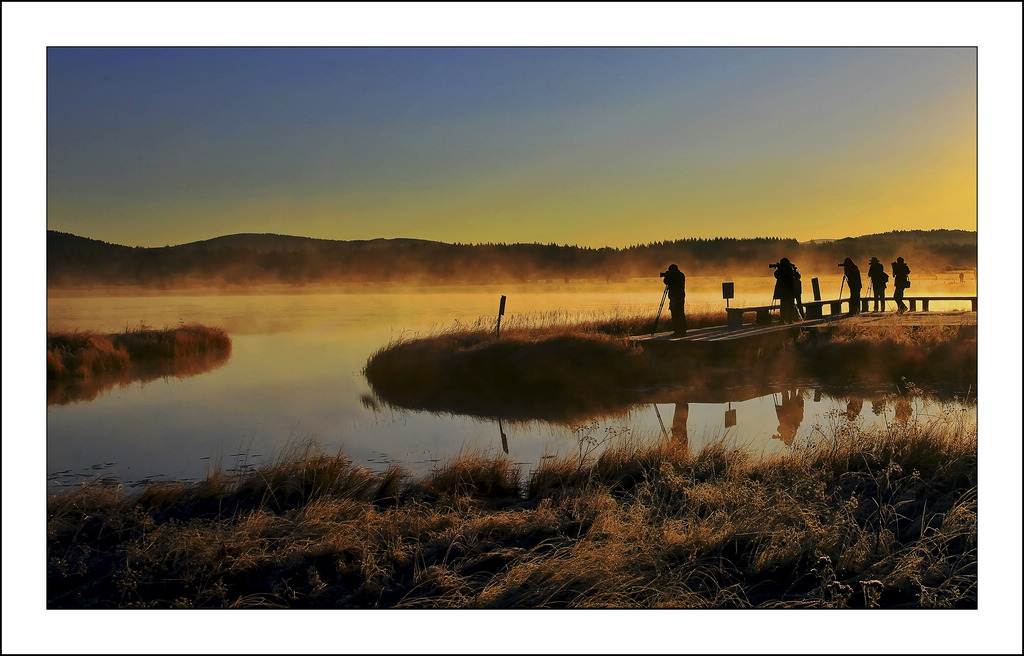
[473,475]
[561,368]
[80,365]
[885,518]
[83,354]
[621,321]
[891,352]
[560,374]
[557,365]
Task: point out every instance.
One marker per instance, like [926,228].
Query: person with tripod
[675,284]
[900,281]
[798,291]
[852,274]
[879,278]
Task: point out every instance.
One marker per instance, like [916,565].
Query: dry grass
[566,372]
[83,354]
[186,340]
[555,375]
[636,320]
[886,518]
[927,353]
[81,365]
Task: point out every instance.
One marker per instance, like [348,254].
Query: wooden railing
[815,309]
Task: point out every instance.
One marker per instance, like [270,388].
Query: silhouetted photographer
[675,281]
[900,281]
[785,289]
[852,274]
[879,278]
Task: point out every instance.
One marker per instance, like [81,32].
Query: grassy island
[84,353]
[81,364]
[564,371]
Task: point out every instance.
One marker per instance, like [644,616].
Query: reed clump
[884,518]
[81,365]
[83,353]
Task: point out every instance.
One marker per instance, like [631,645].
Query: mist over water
[295,373]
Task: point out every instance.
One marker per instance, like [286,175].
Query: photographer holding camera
[852,274]
[785,290]
[900,281]
[675,281]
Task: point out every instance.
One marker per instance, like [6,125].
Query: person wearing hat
[675,280]
[900,281]
[879,278]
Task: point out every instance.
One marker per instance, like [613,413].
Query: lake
[295,374]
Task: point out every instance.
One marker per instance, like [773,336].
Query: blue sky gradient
[595,146]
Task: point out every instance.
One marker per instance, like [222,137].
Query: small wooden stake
[501,311]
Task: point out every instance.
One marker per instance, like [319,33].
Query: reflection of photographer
[675,281]
[790,413]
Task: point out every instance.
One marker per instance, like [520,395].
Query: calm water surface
[295,374]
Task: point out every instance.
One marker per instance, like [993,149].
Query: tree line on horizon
[238,260]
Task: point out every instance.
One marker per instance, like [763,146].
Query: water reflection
[679,424]
[61,391]
[904,409]
[790,412]
[853,407]
[762,423]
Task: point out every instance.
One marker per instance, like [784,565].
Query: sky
[595,146]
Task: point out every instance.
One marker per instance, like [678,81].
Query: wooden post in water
[501,311]
[817,290]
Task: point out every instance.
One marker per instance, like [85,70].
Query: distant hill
[268,242]
[242,259]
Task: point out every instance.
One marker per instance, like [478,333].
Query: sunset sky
[588,146]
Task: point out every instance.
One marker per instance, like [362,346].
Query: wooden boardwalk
[880,320]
